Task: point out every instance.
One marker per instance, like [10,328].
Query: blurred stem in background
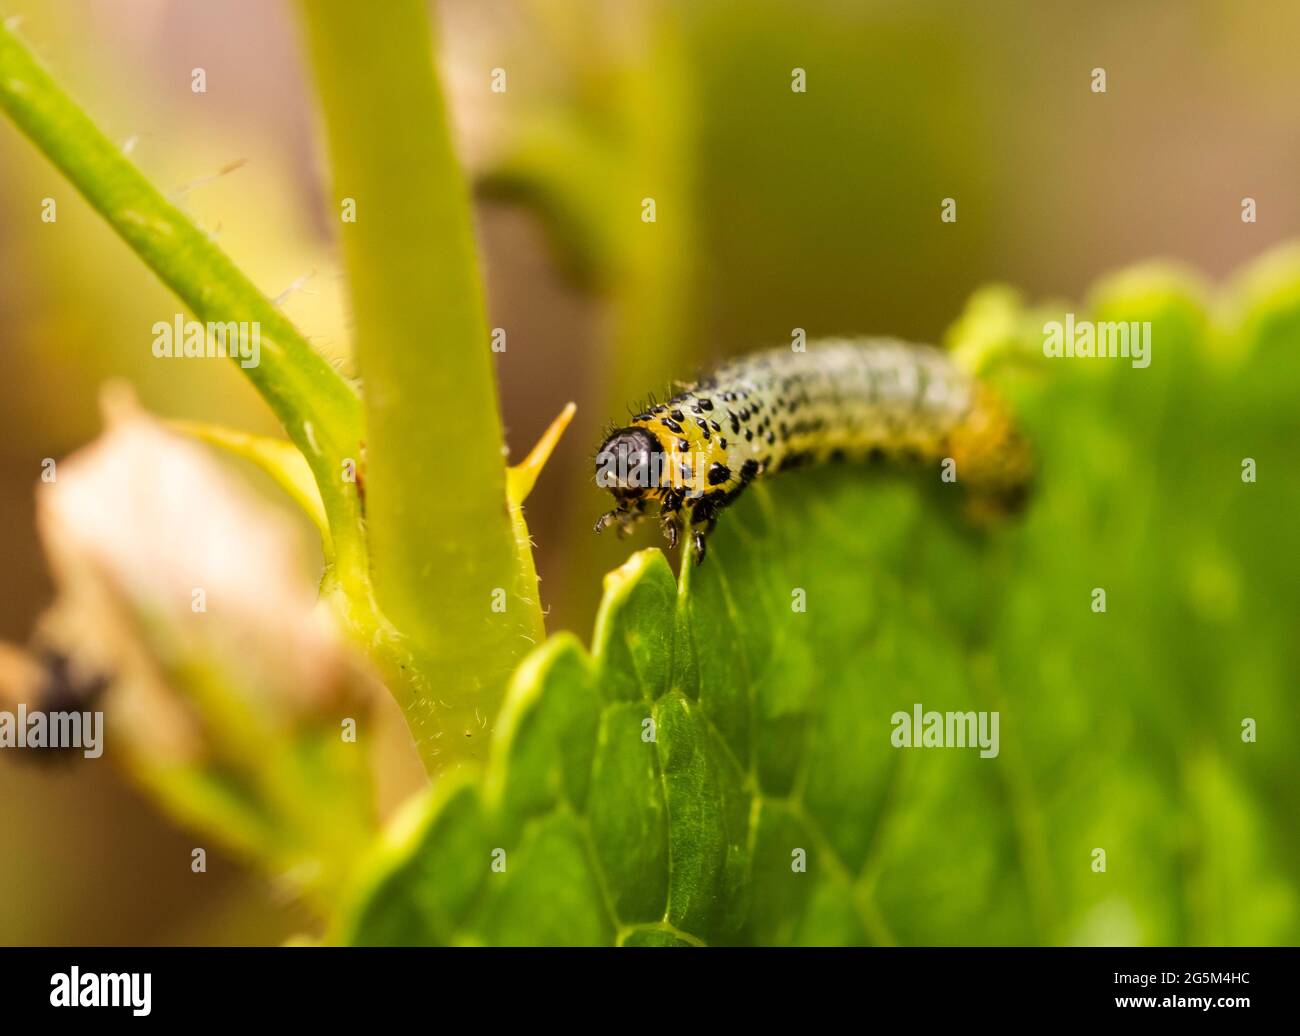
[610,173]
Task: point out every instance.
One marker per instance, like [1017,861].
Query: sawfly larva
[841,399]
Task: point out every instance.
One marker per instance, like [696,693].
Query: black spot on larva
[749,470]
[718,473]
[672,425]
[677,415]
[735,425]
[749,435]
[770,438]
[684,445]
[707,404]
[704,425]
[876,454]
[715,426]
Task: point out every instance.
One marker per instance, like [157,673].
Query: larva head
[630,463]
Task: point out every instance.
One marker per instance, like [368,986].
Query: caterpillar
[867,399]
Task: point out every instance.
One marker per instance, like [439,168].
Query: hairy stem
[448,573]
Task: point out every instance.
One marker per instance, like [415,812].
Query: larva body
[856,400]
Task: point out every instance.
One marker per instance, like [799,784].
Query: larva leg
[621,519]
[703,519]
[624,517]
[669,518]
[699,537]
[668,524]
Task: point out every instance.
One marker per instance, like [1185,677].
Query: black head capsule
[630,462]
[633,467]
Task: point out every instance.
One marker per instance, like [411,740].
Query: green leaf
[720,769]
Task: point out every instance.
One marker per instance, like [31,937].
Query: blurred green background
[775,210]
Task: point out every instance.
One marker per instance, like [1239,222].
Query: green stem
[319,409]
[460,593]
